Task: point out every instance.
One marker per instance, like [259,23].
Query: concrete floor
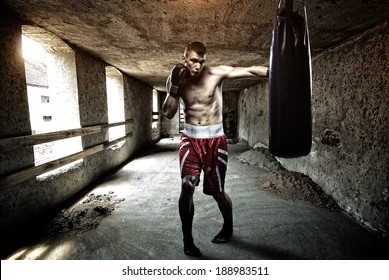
[146,224]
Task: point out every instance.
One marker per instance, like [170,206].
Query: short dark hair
[196,47]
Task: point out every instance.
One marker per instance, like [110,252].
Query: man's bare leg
[186,209]
[225,206]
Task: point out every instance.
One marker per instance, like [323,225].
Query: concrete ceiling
[145,38]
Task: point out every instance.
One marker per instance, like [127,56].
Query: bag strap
[306,33]
[289,7]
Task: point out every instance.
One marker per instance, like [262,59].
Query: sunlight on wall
[32,50]
[45,251]
[30,254]
[61,251]
[115,99]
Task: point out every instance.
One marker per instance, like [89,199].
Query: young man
[203,143]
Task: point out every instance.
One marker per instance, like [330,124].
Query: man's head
[194,57]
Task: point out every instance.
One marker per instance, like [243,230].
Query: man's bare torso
[201,93]
[202,98]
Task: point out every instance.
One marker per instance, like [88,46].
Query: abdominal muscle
[202,116]
[203,101]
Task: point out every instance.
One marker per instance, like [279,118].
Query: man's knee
[189,183]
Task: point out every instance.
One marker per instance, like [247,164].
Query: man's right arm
[177,79]
[170,105]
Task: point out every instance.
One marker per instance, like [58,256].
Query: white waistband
[208,131]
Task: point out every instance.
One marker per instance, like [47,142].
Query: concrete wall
[27,201]
[169,127]
[230,114]
[350,153]
[253,114]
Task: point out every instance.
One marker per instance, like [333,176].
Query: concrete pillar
[138,107]
[92,95]
[62,79]
[14,114]
[61,69]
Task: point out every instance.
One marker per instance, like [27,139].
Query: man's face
[194,62]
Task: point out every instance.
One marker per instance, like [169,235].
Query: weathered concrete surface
[350,153]
[145,38]
[146,225]
[253,118]
[351,90]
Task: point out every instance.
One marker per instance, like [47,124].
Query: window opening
[155,121]
[115,99]
[52,94]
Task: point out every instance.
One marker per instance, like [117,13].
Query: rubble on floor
[292,185]
[84,216]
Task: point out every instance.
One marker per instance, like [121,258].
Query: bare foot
[223,236]
[192,251]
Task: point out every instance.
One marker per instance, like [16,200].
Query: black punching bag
[290,85]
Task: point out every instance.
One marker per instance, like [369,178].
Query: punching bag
[290,85]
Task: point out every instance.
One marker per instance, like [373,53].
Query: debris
[296,186]
[293,185]
[260,157]
[85,216]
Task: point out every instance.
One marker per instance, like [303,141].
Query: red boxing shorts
[204,148]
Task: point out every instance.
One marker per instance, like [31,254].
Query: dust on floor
[84,216]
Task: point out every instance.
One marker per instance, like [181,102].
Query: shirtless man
[203,143]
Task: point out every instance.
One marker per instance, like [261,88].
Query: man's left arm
[240,72]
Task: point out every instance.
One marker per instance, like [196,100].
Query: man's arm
[177,79]
[239,72]
[170,105]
